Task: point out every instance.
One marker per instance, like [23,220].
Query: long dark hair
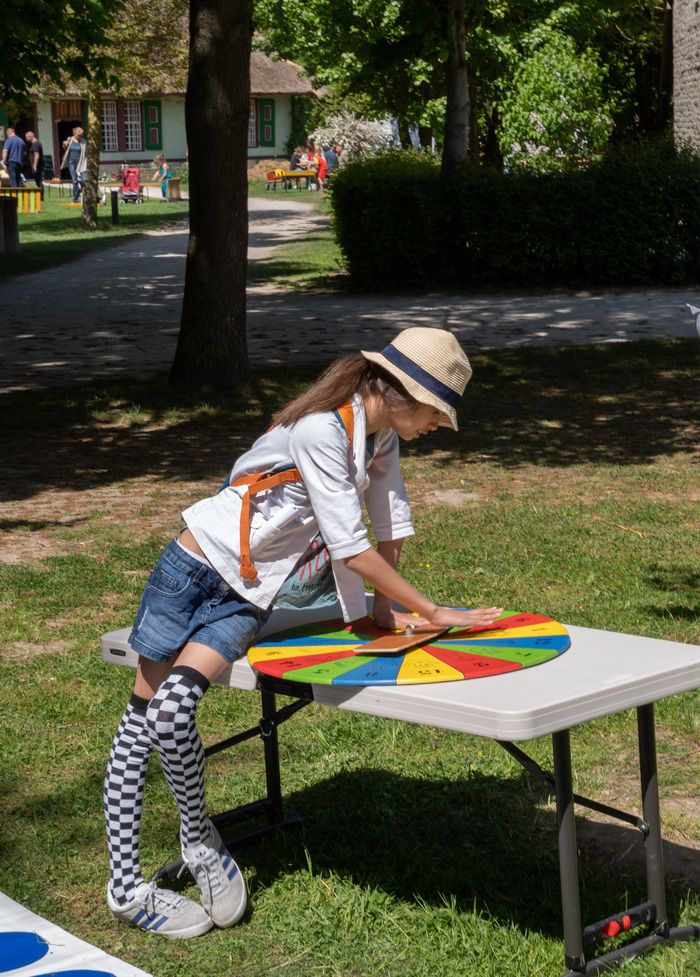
[347,376]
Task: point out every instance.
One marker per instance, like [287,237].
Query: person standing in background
[13,156]
[75,158]
[320,168]
[36,160]
[163,173]
[332,161]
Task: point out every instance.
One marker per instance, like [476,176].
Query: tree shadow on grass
[483,841]
[626,404]
[683,581]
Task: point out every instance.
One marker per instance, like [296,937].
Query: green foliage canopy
[54,39]
[556,112]
[392,53]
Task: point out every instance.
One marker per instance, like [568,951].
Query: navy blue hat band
[421,376]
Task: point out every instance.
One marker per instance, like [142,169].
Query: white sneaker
[221,883]
[162,911]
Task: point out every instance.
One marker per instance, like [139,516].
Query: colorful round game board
[330,653]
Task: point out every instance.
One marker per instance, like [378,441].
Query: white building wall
[44,130]
[283,128]
[173,133]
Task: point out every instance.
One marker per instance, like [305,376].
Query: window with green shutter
[152,125]
[266,122]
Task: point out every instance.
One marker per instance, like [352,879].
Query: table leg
[568,852]
[656,891]
[268,729]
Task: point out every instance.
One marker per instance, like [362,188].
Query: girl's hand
[451,617]
[386,617]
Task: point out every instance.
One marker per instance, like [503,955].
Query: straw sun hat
[430,365]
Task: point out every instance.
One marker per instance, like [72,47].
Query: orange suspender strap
[346,416]
[268,480]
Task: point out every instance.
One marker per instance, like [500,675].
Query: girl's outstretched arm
[376,570]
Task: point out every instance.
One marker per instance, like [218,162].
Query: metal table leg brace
[651,913]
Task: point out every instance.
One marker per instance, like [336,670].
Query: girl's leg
[123,787]
[129,897]
[171,724]
[123,800]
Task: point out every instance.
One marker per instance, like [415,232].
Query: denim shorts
[186,600]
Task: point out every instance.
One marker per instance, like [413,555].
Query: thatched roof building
[270,76]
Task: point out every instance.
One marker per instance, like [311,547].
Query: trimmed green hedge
[632,219]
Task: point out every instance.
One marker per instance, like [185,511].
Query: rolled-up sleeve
[386,498]
[319,449]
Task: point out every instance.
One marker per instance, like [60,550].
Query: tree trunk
[425,136]
[212,347]
[456,141]
[93,137]
[404,134]
[473,143]
[663,112]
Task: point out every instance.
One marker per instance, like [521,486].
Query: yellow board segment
[529,631]
[420,666]
[295,651]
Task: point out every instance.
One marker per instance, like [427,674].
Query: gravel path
[117,311]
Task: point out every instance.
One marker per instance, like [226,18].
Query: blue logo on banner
[77,973]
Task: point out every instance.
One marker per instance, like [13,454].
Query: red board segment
[279,667]
[502,624]
[472,666]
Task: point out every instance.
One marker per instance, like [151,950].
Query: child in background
[163,173]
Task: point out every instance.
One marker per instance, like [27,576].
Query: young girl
[300,487]
[163,173]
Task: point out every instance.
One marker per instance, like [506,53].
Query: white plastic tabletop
[603,672]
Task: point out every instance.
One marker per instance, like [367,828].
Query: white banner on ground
[33,947]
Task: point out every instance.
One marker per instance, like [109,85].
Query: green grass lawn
[55,237]
[571,489]
[312,261]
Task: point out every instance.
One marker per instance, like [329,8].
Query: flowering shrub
[360,137]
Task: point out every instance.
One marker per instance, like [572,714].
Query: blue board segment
[309,642]
[20,950]
[557,642]
[381,671]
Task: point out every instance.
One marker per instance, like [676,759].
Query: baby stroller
[131,185]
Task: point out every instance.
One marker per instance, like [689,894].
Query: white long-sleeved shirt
[284,520]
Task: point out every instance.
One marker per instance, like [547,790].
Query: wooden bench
[173,187]
[28,198]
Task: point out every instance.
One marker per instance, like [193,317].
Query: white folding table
[602,673]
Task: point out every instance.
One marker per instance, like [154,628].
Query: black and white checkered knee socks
[123,798]
[171,725]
